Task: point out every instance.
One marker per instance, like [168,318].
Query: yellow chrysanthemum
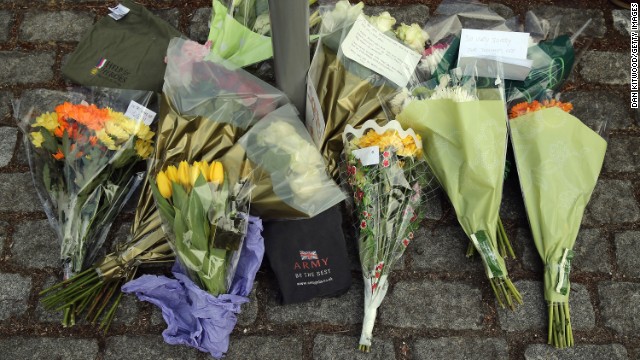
[116,132]
[106,140]
[389,139]
[37,139]
[48,121]
[143,148]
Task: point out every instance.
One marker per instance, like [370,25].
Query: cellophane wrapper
[83,147]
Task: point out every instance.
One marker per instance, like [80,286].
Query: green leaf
[179,198]
[197,220]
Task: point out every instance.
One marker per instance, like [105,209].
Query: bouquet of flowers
[205,112]
[82,158]
[464,133]
[387,173]
[207,220]
[348,92]
[240,30]
[558,160]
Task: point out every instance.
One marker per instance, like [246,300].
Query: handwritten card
[138,112]
[486,48]
[369,47]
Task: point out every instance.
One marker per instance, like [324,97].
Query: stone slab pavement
[439,304]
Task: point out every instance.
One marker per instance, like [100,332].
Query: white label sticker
[140,113]
[314,118]
[368,46]
[119,11]
[368,156]
[483,48]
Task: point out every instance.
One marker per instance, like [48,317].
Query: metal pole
[290,38]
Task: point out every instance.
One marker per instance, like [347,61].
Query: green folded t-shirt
[127,53]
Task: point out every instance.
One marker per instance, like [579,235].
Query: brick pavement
[439,304]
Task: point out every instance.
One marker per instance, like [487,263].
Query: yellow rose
[164,185]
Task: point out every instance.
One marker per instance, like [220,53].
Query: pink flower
[385,163]
[351,170]
[386,154]
[405,242]
[374,286]
[363,224]
[410,235]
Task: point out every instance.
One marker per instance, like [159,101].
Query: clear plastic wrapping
[83,153]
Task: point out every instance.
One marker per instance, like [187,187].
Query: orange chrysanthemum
[524,107]
[88,115]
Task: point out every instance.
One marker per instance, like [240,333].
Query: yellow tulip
[216,173]
[184,176]
[172,173]
[194,173]
[164,185]
[204,168]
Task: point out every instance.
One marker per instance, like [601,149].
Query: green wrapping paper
[465,145]
[558,160]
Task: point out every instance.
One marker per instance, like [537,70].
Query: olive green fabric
[127,53]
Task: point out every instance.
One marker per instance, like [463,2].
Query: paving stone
[3,235]
[442,249]
[346,309]
[599,106]
[128,310]
[530,258]
[578,352]
[23,198]
[149,347]
[407,14]
[172,16]
[55,26]
[49,316]
[628,253]
[249,311]
[606,193]
[340,347]
[46,100]
[264,347]
[619,306]
[623,154]
[6,109]
[35,245]
[460,348]
[590,252]
[605,67]
[570,20]
[26,67]
[622,21]
[156,316]
[8,136]
[5,25]
[199,28]
[459,305]
[37,348]
[14,295]
[533,314]
[512,206]
[434,197]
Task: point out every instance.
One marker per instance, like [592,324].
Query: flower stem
[505,292]
[560,331]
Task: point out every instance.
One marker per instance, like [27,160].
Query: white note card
[483,48]
[369,47]
[368,156]
[138,112]
[119,11]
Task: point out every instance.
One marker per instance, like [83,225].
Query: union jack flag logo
[308,255]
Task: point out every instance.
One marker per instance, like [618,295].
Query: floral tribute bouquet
[464,133]
[558,160]
[386,173]
[205,112]
[82,158]
[207,220]
[347,91]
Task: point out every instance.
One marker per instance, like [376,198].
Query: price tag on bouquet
[140,113]
[370,47]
